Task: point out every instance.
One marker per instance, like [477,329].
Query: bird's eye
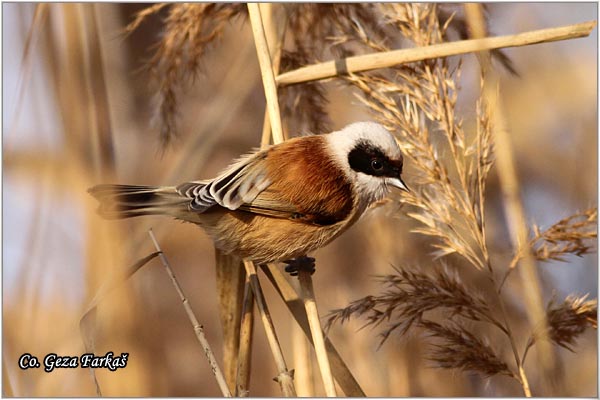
[376,165]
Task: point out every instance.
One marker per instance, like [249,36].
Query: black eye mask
[370,160]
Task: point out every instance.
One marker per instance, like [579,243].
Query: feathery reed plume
[314,29]
[566,321]
[410,294]
[569,319]
[141,16]
[304,108]
[189,31]
[458,348]
[572,235]
[418,103]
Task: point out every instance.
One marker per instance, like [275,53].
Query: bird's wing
[239,188]
[269,202]
[302,184]
[237,185]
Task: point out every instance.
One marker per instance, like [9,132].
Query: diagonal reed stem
[295,305]
[368,62]
[198,329]
[310,304]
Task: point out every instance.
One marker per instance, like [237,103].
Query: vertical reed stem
[270,86]
[242,382]
[266,70]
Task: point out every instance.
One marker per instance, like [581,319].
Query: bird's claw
[298,264]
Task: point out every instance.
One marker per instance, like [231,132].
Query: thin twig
[368,62]
[312,313]
[198,329]
[285,377]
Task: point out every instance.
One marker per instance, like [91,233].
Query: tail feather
[126,201]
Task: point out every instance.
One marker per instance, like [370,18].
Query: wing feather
[280,188]
[238,188]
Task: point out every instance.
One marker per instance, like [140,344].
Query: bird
[279,203]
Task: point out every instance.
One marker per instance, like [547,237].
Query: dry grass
[451,302]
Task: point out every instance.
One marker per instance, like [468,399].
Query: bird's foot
[298,264]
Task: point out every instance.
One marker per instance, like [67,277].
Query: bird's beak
[398,183]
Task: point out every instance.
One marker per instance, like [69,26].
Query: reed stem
[266,70]
[242,382]
[284,378]
[367,62]
[314,322]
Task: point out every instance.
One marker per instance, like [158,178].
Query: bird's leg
[297,264]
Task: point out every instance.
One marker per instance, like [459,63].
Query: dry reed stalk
[294,302]
[510,188]
[369,62]
[198,328]
[304,277]
[75,83]
[275,23]
[102,137]
[266,70]
[284,378]
[303,372]
[87,322]
[190,30]
[310,304]
[242,381]
[230,291]
[275,27]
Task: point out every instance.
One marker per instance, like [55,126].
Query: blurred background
[76,99]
